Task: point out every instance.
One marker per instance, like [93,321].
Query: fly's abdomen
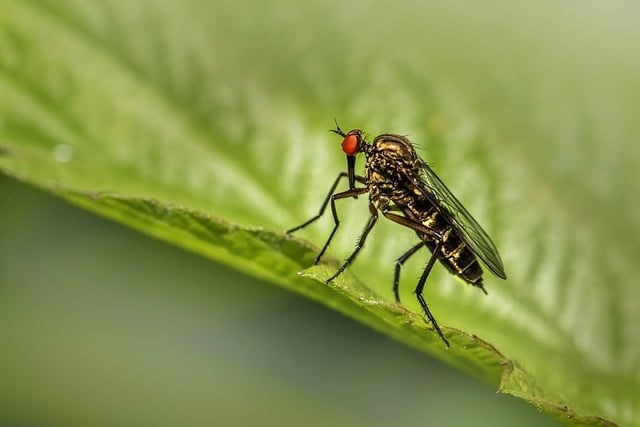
[458,258]
[454,252]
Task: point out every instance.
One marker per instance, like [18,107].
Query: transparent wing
[451,208]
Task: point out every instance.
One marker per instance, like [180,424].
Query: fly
[407,191]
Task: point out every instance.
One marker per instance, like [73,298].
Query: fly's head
[352,143]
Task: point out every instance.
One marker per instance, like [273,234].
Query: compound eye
[350,144]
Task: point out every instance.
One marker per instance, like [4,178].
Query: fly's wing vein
[452,210]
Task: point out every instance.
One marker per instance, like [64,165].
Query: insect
[407,191]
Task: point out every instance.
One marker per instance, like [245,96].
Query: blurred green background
[101,325]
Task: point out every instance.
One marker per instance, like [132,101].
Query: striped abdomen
[454,252]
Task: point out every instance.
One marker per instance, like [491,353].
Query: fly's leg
[372,221]
[399,262]
[426,233]
[416,226]
[341,175]
[349,193]
[420,288]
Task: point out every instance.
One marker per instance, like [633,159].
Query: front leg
[340,176]
[349,193]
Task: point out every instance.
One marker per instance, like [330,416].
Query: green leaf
[205,125]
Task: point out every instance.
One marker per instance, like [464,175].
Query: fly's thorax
[390,160]
[396,149]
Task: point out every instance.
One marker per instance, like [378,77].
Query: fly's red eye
[350,145]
